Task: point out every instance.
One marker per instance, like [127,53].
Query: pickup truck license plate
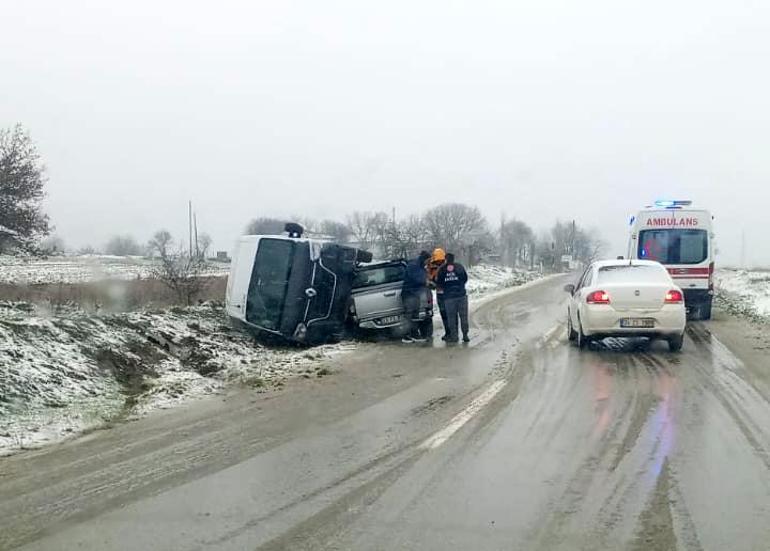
[390,319]
[643,323]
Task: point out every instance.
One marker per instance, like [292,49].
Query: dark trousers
[411,311]
[442,311]
[456,307]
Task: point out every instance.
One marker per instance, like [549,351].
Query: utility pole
[195,229]
[189,225]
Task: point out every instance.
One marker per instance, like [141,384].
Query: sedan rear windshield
[633,274]
[369,277]
[674,246]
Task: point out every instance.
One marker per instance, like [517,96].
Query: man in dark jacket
[415,285]
[452,277]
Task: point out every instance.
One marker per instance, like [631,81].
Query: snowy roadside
[744,292]
[485,279]
[19,270]
[65,373]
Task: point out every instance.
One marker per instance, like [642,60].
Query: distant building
[222,256]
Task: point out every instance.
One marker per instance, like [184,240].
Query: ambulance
[681,237]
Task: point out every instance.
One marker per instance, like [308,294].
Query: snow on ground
[483,279]
[74,371]
[744,291]
[80,269]
[70,371]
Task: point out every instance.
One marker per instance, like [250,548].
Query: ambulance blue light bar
[672,204]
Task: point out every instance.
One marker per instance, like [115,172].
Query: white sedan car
[626,298]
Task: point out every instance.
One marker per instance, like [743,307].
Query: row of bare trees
[458,228]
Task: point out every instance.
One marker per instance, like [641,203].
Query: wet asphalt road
[519,441]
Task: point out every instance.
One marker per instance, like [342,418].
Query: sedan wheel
[675,343]
[582,340]
[571,333]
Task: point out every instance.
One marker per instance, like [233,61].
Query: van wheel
[704,311]
[571,333]
[675,343]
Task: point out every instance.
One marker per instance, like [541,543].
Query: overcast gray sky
[541,108]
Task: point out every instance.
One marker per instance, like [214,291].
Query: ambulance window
[674,246]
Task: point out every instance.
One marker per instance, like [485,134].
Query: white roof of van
[252,238]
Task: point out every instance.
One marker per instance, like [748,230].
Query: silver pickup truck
[376,300]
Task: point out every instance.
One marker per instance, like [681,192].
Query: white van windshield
[674,246]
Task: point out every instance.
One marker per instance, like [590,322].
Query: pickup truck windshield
[370,277]
[269,279]
[674,246]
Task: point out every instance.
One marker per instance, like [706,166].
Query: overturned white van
[291,287]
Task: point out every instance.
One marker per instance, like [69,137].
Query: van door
[269,281]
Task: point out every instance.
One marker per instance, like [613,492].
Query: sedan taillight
[674,297]
[598,297]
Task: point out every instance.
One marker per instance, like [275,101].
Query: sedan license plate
[637,323]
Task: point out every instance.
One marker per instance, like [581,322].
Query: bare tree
[22,182]
[588,245]
[449,224]
[180,271]
[204,244]
[403,238]
[516,243]
[52,245]
[340,231]
[87,249]
[123,245]
[569,239]
[160,243]
[368,228]
[265,226]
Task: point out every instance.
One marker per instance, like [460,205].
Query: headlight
[300,333]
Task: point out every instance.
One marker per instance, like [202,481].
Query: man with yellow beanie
[437,260]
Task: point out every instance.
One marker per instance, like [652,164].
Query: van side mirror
[569,288]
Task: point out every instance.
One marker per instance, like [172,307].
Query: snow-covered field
[483,279]
[744,291]
[64,373]
[80,269]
